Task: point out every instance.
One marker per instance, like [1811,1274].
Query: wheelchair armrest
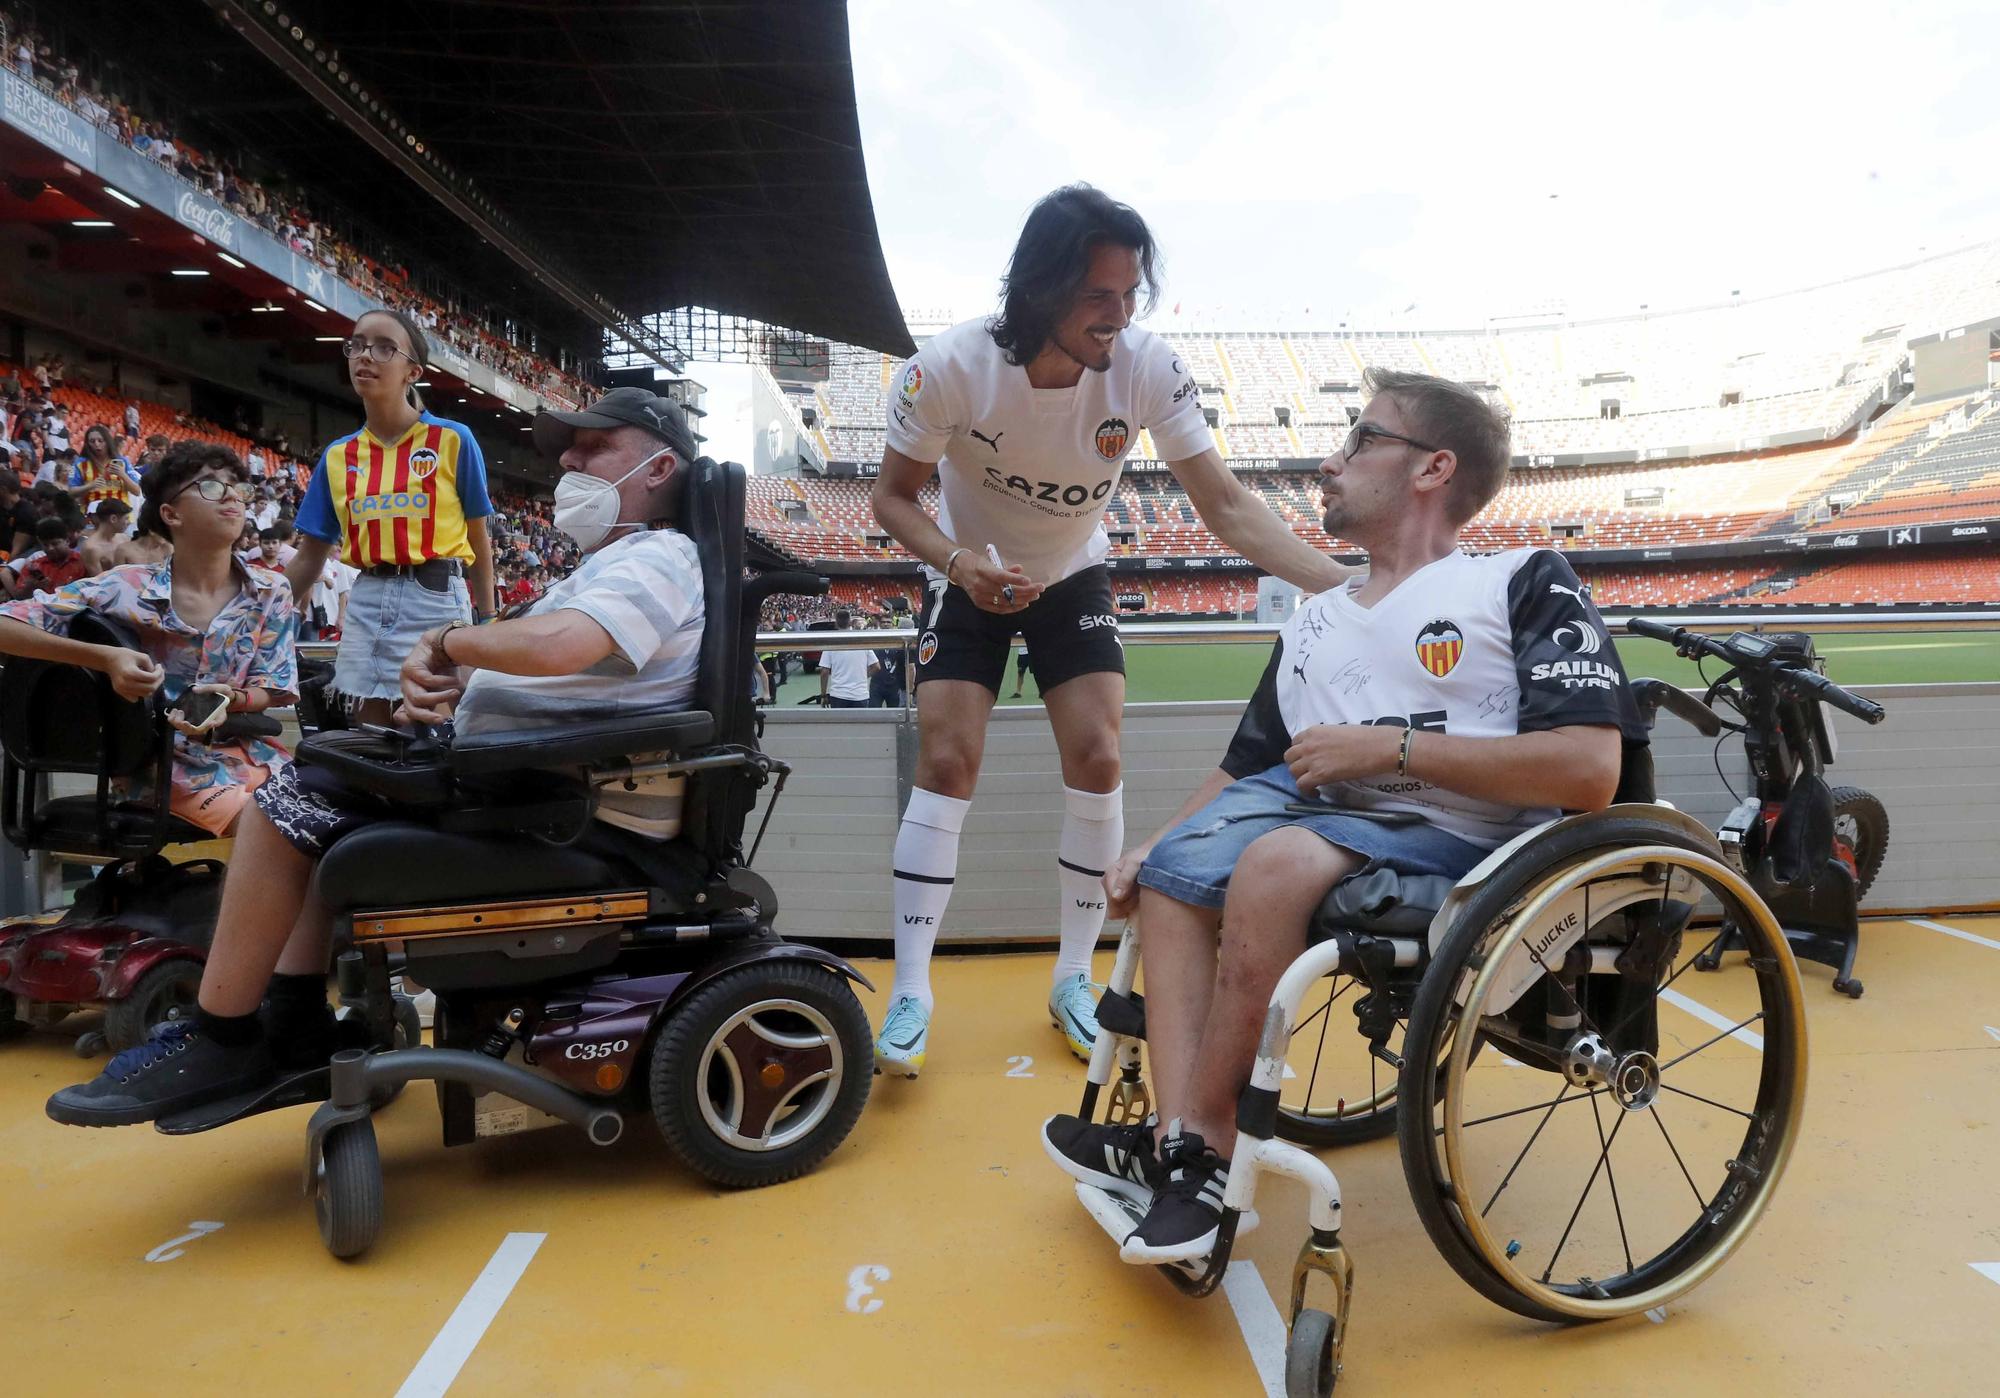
[383,763]
[580,744]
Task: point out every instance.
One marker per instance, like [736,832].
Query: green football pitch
[1165,673]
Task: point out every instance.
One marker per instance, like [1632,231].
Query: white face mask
[587,505]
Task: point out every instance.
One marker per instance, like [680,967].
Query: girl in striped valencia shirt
[406,499]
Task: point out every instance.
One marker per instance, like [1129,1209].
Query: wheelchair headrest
[711,514]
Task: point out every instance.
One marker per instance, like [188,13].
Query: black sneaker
[1187,1207]
[175,1069]
[1118,1159]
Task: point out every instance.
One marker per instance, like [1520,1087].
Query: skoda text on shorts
[1027,419]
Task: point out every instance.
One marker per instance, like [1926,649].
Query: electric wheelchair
[1514,1026]
[582,972]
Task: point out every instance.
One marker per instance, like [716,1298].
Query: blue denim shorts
[385,616]
[1192,862]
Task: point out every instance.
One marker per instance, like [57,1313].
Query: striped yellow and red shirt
[401,502]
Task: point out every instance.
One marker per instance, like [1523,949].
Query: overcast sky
[1305,163]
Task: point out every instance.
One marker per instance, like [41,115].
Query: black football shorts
[1071,630]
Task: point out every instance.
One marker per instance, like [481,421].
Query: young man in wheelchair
[623,632]
[1411,719]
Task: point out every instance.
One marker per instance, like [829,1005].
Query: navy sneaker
[1118,1159]
[175,1069]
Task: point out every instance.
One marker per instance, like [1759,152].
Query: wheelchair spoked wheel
[1337,1092]
[1531,1173]
[762,1072]
[347,1188]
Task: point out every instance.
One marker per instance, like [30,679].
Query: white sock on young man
[926,864]
[1093,836]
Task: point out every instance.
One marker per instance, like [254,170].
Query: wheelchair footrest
[293,1090]
[1197,1276]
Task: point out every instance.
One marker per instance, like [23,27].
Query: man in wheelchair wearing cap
[1411,720]
[623,632]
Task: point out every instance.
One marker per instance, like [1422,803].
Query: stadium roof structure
[630,157]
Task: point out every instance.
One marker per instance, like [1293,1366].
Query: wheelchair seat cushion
[579,744]
[1383,902]
[400,864]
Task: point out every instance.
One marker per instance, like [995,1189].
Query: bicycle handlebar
[1801,681]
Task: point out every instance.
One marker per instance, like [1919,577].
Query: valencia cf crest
[927,648]
[423,463]
[1439,646]
[913,380]
[1112,436]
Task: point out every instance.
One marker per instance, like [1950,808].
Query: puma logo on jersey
[1576,592]
[993,441]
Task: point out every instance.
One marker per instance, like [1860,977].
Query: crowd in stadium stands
[284,214]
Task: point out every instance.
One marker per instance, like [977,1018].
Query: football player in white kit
[1027,419]
[1409,721]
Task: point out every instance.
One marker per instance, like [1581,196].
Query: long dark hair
[419,346]
[1052,258]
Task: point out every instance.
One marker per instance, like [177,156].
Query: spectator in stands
[100,475]
[621,633]
[885,676]
[55,438]
[55,564]
[407,493]
[1026,421]
[16,521]
[132,422]
[1483,738]
[844,675]
[1023,667]
[110,519]
[264,509]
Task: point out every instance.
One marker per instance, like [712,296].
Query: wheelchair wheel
[759,1074]
[347,1189]
[165,993]
[1312,1356]
[1533,1174]
[1861,822]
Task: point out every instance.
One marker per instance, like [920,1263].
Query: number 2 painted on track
[1022,1066]
[859,1286]
[171,1248]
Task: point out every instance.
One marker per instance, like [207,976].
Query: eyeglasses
[213,490]
[1363,433]
[381,351]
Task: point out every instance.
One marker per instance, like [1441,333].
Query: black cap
[621,407]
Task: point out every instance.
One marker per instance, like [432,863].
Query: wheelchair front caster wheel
[1848,986]
[1312,1356]
[347,1195]
[91,1044]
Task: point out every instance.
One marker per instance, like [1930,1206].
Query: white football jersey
[1478,647]
[1028,470]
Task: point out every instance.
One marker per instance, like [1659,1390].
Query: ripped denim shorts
[1193,861]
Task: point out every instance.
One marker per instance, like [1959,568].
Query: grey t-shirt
[646,591]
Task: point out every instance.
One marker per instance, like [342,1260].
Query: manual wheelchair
[1513,1025]
[581,972]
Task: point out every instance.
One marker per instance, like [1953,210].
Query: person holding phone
[215,637]
[406,498]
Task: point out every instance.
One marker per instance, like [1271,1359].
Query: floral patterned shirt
[251,644]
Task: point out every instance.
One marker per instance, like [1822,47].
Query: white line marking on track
[1973,938]
[1994,1033]
[1707,1016]
[1988,1270]
[1263,1328]
[462,1332]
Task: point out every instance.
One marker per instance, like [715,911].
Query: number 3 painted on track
[858,1287]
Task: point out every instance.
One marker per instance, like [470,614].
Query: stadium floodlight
[267,308]
[122,197]
[91,223]
[190,271]
[329,339]
[314,304]
[232,261]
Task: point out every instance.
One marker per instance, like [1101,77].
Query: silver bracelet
[952,558]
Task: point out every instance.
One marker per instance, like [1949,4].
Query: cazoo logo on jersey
[1050,492]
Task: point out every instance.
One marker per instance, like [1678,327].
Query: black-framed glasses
[214,490]
[1362,433]
[381,351]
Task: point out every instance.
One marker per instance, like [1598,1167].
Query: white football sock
[1093,836]
[926,864]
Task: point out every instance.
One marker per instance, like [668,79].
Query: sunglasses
[1362,434]
[381,351]
[214,491]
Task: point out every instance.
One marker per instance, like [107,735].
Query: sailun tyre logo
[1584,641]
[1113,435]
[1439,646]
